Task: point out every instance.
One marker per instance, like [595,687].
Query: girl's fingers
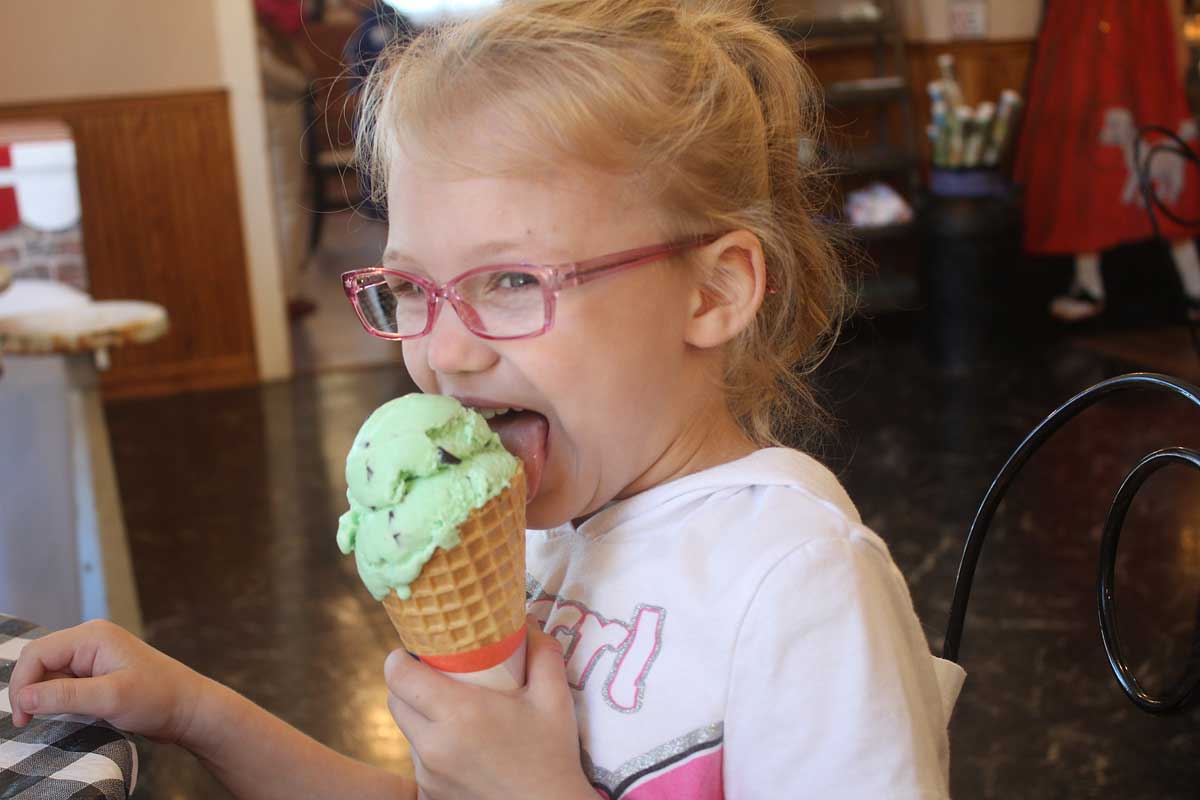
[72,651]
[411,723]
[416,684]
[20,716]
[49,656]
[92,697]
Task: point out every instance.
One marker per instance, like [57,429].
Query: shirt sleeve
[832,691]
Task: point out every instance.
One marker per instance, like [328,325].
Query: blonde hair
[696,100]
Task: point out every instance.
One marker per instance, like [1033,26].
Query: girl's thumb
[544,664]
[91,697]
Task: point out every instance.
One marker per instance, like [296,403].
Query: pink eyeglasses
[504,301]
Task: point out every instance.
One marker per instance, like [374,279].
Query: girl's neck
[710,437]
[701,446]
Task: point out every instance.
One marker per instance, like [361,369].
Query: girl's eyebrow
[477,255]
[493,249]
[394,258]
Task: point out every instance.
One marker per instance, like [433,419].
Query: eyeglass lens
[506,302]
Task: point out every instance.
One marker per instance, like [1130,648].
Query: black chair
[325,164]
[1186,691]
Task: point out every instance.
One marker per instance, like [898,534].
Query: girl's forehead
[481,217]
[547,179]
[549,216]
[469,154]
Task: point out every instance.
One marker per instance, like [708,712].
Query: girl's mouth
[525,434]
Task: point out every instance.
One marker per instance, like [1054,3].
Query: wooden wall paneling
[856,128]
[161,222]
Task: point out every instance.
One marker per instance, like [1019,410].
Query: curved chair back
[1186,689]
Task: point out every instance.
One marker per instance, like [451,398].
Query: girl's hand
[472,742]
[98,669]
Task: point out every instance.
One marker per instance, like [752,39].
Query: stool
[5,281]
[67,558]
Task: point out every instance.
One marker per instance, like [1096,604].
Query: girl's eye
[514,280]
[402,288]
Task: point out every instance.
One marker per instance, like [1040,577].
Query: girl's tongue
[524,435]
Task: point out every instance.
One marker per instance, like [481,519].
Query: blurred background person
[1104,70]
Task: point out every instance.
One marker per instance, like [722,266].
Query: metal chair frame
[1186,690]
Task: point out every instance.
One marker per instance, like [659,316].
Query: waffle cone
[472,595]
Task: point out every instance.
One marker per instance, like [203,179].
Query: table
[60,756]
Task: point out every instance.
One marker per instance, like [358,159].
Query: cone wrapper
[466,615]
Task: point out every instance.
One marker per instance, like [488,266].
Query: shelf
[873,162]
[809,29]
[889,291]
[882,232]
[337,160]
[867,91]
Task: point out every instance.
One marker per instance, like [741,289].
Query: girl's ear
[730,285]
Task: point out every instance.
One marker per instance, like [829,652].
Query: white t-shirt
[738,633]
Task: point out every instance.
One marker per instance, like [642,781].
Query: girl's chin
[546,511]
[540,517]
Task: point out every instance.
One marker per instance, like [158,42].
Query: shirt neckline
[768,466]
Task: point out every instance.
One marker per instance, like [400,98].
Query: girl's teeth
[487,413]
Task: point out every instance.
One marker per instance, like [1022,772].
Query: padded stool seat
[45,317]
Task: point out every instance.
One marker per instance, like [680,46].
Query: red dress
[1103,69]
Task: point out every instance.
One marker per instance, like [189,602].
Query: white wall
[240,75]
[90,48]
[100,48]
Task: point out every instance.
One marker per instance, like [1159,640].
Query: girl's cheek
[415,363]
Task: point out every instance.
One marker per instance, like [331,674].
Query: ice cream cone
[467,608]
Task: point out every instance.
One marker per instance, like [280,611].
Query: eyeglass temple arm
[585,271]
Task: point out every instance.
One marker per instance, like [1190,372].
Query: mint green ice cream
[418,467]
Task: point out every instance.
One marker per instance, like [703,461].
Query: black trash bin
[970,238]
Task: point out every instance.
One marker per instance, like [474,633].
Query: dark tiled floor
[1040,716]
[231,502]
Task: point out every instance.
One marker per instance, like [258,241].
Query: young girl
[717,620]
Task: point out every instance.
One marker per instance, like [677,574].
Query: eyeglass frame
[553,278]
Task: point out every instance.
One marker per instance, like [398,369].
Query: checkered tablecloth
[61,757]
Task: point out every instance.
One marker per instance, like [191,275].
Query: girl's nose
[452,348]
